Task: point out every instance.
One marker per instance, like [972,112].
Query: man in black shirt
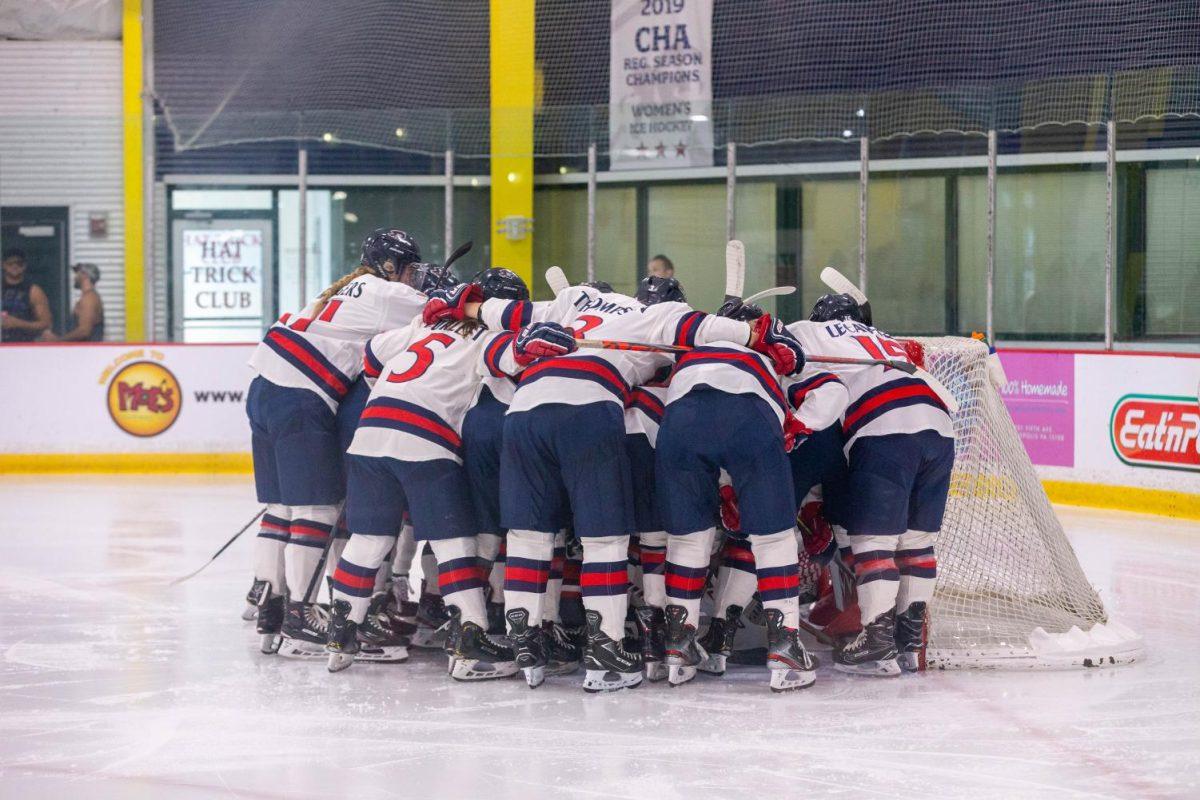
[26,310]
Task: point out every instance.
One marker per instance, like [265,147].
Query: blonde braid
[337,286]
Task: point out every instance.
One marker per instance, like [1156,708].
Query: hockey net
[1010,591]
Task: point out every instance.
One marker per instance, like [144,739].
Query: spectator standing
[26,309]
[87,318]
[661,266]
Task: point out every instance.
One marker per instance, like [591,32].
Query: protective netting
[1010,591]
[415,75]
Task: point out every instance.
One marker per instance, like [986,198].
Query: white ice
[114,685]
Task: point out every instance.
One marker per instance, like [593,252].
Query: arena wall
[1117,430]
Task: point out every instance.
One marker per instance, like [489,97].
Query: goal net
[1010,591]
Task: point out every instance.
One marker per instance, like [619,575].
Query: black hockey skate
[401,611]
[609,665]
[717,641]
[792,667]
[652,624]
[681,650]
[342,640]
[378,641]
[305,628]
[911,637]
[529,646]
[269,612]
[495,618]
[476,656]
[250,610]
[432,619]
[562,649]
[872,651]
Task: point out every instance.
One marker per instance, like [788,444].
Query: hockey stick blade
[233,539]
[556,279]
[842,285]
[765,293]
[735,269]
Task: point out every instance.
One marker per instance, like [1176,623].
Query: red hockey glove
[816,533]
[731,519]
[914,351]
[769,337]
[451,303]
[542,340]
[794,432]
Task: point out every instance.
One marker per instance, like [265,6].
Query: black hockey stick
[224,547]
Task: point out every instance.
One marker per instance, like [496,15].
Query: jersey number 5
[424,357]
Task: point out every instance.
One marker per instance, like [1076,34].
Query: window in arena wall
[560,236]
[828,234]
[1170,285]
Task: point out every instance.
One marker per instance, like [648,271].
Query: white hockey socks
[875,574]
[554,581]
[354,578]
[489,547]
[308,532]
[526,571]
[736,578]
[917,566]
[269,546]
[687,569]
[604,580]
[654,558]
[777,568]
[460,577]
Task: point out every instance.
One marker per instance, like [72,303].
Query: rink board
[1090,421]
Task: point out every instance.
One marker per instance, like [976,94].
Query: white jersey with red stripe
[730,368]
[644,413]
[880,400]
[325,353]
[817,396]
[591,376]
[503,388]
[425,378]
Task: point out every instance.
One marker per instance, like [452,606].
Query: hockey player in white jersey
[564,453]
[726,410]
[900,446]
[306,365]
[407,456]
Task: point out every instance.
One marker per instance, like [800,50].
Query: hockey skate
[872,651]
[305,628]
[478,658]
[609,665]
[342,641]
[250,610]
[911,637]
[529,646]
[718,641]
[792,667]
[682,652]
[432,620]
[495,618]
[400,610]
[269,611]
[378,641]
[562,649]
[652,625]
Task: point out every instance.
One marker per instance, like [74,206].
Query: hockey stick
[556,279]
[245,528]
[644,347]
[765,293]
[735,269]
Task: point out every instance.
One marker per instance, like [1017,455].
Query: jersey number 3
[424,357]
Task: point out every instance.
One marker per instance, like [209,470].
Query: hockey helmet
[838,306]
[657,289]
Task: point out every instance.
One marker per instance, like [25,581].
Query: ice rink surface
[115,685]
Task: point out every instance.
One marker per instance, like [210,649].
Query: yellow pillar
[131,102]
[512,84]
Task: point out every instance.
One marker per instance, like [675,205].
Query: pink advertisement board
[1040,396]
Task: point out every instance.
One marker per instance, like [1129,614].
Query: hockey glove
[794,432]
[769,337]
[731,519]
[542,340]
[815,533]
[451,303]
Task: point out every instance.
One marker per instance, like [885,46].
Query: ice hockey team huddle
[577,475]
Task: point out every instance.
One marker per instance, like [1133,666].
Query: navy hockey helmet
[387,251]
[501,283]
[603,287]
[838,306]
[657,289]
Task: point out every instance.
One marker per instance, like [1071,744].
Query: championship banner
[660,84]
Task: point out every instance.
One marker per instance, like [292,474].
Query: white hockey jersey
[645,411]
[425,379]
[591,376]
[880,400]
[731,368]
[325,354]
[817,396]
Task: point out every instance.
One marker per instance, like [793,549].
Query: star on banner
[660,151]
[641,150]
[680,149]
